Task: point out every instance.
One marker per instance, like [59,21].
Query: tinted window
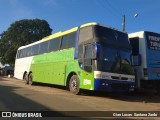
[126,67]
[35,49]
[68,41]
[135,45]
[86,34]
[18,54]
[88,51]
[28,51]
[43,47]
[111,37]
[23,53]
[109,60]
[114,60]
[80,53]
[88,58]
[54,44]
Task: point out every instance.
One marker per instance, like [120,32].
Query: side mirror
[136,60]
[95,51]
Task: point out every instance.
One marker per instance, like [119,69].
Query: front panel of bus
[110,66]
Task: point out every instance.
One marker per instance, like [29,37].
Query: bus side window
[25,52]
[35,49]
[80,55]
[54,44]
[68,40]
[43,47]
[18,54]
[28,51]
[88,58]
[86,35]
[22,53]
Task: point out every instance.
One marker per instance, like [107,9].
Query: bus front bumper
[113,85]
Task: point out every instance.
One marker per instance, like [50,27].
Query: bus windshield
[111,37]
[126,67]
[114,60]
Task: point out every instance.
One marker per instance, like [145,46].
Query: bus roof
[136,34]
[58,34]
[139,33]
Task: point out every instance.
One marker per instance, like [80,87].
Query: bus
[90,57]
[146,59]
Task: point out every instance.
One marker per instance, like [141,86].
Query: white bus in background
[146,58]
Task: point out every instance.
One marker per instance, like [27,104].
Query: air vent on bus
[119,78]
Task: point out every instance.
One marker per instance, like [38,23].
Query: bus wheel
[74,85]
[30,78]
[26,78]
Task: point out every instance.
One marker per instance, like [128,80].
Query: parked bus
[91,57]
[146,58]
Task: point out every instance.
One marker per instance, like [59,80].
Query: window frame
[58,46]
[46,49]
[68,38]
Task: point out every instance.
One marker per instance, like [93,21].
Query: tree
[21,33]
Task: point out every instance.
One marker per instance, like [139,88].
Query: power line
[99,3]
[113,8]
[113,11]
[110,8]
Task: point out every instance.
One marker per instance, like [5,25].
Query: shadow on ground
[143,96]
[137,96]
[12,102]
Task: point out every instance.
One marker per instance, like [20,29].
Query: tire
[30,78]
[26,78]
[74,85]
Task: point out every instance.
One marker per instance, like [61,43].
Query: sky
[65,14]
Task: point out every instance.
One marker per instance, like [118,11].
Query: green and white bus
[91,57]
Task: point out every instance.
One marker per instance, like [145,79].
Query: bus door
[85,63]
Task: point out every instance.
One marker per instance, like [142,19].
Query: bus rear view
[146,58]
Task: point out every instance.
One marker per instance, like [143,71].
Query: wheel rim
[30,79]
[74,85]
[26,78]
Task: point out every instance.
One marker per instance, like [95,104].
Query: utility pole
[123,23]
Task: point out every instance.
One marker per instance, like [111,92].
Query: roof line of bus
[139,34]
[142,31]
[58,34]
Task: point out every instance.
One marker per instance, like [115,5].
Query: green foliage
[21,33]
